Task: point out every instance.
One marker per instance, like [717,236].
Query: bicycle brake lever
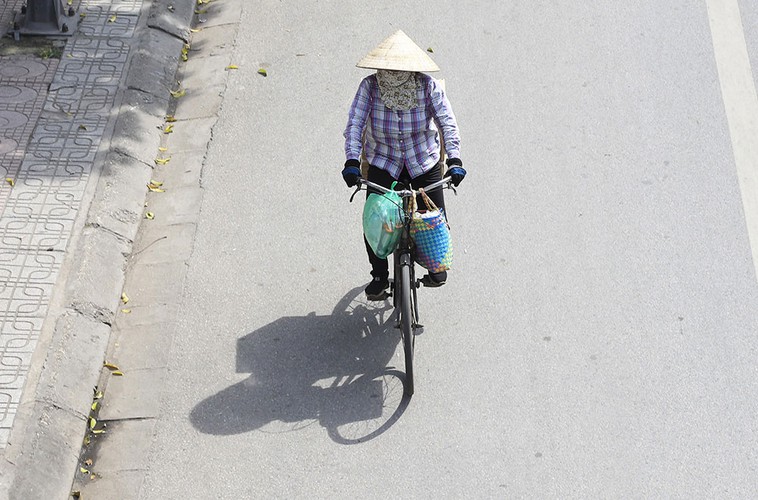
[355,192]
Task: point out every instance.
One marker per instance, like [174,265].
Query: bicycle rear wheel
[407,325]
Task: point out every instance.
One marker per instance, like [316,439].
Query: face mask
[397,89]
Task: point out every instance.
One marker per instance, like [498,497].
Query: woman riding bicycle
[401,111]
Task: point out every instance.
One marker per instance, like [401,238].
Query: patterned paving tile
[53,115]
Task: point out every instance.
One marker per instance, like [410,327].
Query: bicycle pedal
[379,297]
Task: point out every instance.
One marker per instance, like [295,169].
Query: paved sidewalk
[78,136]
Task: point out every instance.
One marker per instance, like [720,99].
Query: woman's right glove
[456,172]
[352,172]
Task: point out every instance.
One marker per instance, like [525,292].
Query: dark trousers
[380,267]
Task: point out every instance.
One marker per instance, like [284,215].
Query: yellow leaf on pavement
[162,161]
[117,373]
[124,298]
[149,215]
[83,470]
[110,366]
[232,66]
[156,183]
[10,181]
[170,118]
[94,406]
[112,19]
[178,93]
[126,311]
[92,423]
[263,72]
[168,129]
[98,431]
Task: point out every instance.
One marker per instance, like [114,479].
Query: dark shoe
[377,289]
[434,280]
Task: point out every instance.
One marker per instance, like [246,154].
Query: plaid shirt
[401,138]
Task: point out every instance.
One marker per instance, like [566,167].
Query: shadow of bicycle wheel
[332,370]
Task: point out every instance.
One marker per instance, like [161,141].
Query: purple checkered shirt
[401,138]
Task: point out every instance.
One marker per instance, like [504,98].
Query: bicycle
[403,284]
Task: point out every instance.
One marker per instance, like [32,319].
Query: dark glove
[352,172]
[456,172]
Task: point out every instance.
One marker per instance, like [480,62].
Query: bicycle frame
[404,280]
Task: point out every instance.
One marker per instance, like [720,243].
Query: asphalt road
[597,337]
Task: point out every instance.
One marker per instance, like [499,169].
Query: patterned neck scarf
[397,89]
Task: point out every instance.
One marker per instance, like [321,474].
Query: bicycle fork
[406,261]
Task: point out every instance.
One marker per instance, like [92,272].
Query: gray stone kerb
[48,439]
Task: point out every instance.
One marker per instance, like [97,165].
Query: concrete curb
[48,444]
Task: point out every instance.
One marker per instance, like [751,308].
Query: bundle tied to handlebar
[431,234]
[384,219]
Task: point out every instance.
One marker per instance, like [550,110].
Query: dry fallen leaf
[10,181]
[162,161]
[178,93]
[168,129]
[117,373]
[429,49]
[162,149]
[83,470]
[82,127]
[88,462]
[149,215]
[99,395]
[170,118]
[156,183]
[263,72]
[92,423]
[232,66]
[98,431]
[126,311]
[112,19]
[110,366]
[124,298]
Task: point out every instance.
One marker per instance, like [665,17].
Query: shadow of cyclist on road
[336,370]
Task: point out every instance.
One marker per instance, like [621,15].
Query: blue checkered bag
[431,234]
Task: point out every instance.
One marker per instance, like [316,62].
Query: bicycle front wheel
[406,325]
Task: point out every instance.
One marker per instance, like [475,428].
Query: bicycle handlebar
[445,182]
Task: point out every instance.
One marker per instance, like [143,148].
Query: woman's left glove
[456,172]
[352,172]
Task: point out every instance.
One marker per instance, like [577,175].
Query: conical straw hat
[399,53]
